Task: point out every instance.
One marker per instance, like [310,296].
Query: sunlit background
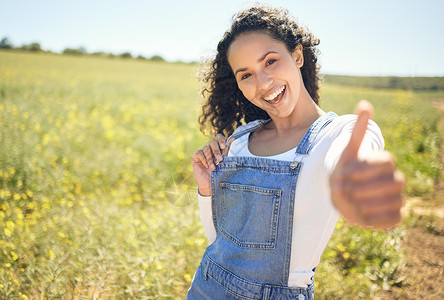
[97,196]
[376,37]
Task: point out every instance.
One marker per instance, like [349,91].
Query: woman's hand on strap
[367,191]
[204,161]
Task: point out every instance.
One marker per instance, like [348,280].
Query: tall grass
[97,197]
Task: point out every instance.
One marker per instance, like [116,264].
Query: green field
[97,198]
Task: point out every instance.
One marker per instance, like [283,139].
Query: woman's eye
[245,76]
[270,62]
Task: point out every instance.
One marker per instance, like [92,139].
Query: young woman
[270,197]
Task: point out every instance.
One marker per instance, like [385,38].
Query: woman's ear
[298,56]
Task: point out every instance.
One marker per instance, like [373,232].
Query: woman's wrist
[204,192]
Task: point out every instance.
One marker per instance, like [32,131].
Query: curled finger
[199,156]
[209,157]
[221,140]
[381,206]
[214,147]
[229,142]
[385,220]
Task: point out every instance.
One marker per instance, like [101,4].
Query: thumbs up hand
[367,191]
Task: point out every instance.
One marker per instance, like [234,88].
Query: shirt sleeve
[206,217]
[373,141]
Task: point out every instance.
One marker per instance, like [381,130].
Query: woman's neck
[306,112]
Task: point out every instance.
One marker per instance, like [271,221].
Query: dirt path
[424,243]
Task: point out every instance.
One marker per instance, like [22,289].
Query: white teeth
[275,94]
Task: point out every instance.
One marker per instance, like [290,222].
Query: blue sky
[375,37]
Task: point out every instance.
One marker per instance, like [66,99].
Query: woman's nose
[264,81]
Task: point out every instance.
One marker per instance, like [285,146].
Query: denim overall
[253,206]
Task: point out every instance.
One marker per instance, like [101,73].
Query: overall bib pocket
[256,210]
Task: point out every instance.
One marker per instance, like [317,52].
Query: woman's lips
[276,96]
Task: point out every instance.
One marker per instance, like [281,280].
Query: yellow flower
[46,138]
[30,205]
[51,254]
[10,225]
[8,232]
[16,197]
[341,247]
[14,255]
[187,277]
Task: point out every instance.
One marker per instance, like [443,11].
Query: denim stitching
[276,196]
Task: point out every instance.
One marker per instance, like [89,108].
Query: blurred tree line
[384,82]
[388,82]
[6,44]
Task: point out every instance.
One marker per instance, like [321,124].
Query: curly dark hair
[225,107]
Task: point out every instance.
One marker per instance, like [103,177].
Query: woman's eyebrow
[259,60]
[240,70]
[265,55]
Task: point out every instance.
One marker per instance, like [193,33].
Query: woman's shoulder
[342,127]
[342,120]
[347,123]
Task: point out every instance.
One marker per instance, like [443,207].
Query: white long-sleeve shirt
[315,216]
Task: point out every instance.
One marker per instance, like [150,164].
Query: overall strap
[306,143]
[237,135]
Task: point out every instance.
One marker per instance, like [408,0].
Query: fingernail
[219,157]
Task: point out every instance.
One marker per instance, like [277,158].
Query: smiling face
[267,73]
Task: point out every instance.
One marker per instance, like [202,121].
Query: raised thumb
[364,110]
